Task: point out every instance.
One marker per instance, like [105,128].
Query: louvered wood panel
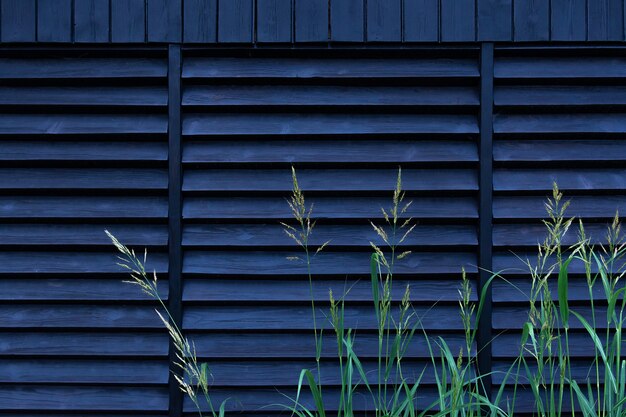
[83,148]
[346,124]
[559,116]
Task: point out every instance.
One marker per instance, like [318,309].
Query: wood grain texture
[54,21]
[383,20]
[531,20]
[311,20]
[568,20]
[91,21]
[235,21]
[274,21]
[458,20]
[494,20]
[18,21]
[200,18]
[164,20]
[347,19]
[128,22]
[420,20]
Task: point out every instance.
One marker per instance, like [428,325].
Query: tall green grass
[543,366]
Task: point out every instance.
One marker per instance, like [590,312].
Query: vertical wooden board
[200,21]
[458,20]
[421,20]
[54,20]
[128,21]
[530,20]
[91,21]
[384,21]
[164,20]
[235,21]
[273,20]
[18,21]
[605,20]
[494,20]
[311,20]
[347,20]
[568,20]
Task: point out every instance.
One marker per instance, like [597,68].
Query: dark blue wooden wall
[302,21]
[188,152]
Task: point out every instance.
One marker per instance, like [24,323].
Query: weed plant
[544,363]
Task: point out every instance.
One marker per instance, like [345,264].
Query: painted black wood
[311,21]
[485,232]
[175,219]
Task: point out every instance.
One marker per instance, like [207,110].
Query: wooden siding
[84,146]
[310,21]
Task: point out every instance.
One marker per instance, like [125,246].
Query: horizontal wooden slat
[533,207]
[373,150]
[79,178]
[73,290]
[559,150]
[82,68]
[285,373]
[258,235]
[328,68]
[298,317]
[325,124]
[30,207]
[518,290]
[69,262]
[276,263]
[16,397]
[532,234]
[517,263]
[84,96]
[334,208]
[20,124]
[560,123]
[83,344]
[302,345]
[85,371]
[514,317]
[328,180]
[26,150]
[51,234]
[560,67]
[508,345]
[83,316]
[272,290]
[327,96]
[567,179]
[559,95]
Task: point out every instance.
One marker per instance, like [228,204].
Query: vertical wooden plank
[458,20]
[54,20]
[530,20]
[605,20]
[347,20]
[494,20]
[164,20]
[128,21]
[235,21]
[18,21]
[421,20]
[175,202]
[485,233]
[568,20]
[91,21]
[273,20]
[311,20]
[384,21]
[200,21]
